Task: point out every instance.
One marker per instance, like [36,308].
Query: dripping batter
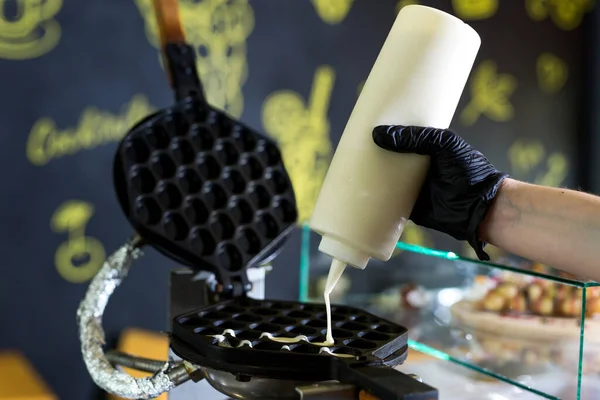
[222,340]
[335,272]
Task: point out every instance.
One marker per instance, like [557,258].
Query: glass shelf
[437,370]
[529,326]
[550,274]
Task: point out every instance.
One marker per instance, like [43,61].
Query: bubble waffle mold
[204,189]
[371,340]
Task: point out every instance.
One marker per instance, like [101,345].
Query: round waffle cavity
[204,189]
[369,338]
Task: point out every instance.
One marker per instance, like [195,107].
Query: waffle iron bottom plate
[372,341]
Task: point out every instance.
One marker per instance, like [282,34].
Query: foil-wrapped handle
[91,333]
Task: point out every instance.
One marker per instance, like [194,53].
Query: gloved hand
[460,185]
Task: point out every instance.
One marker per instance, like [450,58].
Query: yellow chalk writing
[302,131]
[78,258]
[530,161]
[332,11]
[490,95]
[556,172]
[475,9]
[218,30]
[552,72]
[28,29]
[566,14]
[46,142]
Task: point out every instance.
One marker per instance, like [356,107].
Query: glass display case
[507,328]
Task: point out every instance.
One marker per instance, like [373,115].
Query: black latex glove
[460,185]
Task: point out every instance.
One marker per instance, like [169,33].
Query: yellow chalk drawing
[530,162]
[79,258]
[403,3]
[475,9]
[29,30]
[556,172]
[332,11]
[465,9]
[95,128]
[218,30]
[566,14]
[525,156]
[490,95]
[302,130]
[552,72]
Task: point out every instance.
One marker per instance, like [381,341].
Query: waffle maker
[213,194]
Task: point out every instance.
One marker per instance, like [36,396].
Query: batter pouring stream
[335,272]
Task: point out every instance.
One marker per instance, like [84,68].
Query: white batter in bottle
[369,193]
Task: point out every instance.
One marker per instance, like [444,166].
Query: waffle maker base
[270,369]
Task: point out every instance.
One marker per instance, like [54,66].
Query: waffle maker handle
[386,383]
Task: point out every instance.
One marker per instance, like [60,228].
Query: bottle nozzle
[343,253]
[335,273]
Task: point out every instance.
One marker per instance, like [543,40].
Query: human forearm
[557,227]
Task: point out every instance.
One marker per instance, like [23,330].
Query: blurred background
[77,74]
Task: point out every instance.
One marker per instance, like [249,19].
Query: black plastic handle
[386,383]
[182,65]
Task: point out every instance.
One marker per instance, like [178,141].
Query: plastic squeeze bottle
[368,193]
